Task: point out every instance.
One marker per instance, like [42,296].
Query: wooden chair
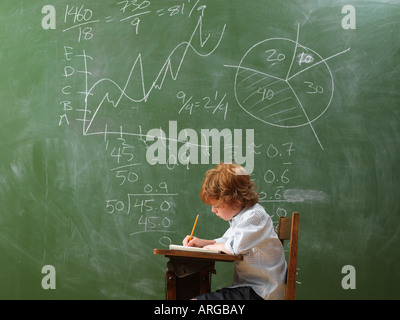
[288,229]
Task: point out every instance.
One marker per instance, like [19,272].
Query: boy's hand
[192,243]
[218,247]
[196,242]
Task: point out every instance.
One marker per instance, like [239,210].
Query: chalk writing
[214,103]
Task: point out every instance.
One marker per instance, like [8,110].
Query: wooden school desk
[188,273]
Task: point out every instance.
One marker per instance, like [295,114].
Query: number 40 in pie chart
[283,83]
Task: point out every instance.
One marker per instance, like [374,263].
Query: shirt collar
[237,216]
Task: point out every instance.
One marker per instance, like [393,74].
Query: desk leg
[171,285]
[184,288]
[205,282]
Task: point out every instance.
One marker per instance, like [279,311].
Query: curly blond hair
[228,184]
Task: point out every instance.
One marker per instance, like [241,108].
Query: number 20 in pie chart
[283,83]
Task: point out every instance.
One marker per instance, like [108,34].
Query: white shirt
[263,267]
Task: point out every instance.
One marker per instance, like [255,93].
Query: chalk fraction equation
[82,18]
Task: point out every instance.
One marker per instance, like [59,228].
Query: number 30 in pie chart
[283,83]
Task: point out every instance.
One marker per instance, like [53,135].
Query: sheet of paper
[194,249]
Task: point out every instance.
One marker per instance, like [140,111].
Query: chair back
[288,229]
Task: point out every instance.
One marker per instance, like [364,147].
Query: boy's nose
[213,209]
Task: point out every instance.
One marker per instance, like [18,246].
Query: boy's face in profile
[224,211]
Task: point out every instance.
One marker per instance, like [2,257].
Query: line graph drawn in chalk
[107,94]
[284,83]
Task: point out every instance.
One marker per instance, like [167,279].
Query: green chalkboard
[112,111]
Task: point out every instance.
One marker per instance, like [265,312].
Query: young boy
[261,273]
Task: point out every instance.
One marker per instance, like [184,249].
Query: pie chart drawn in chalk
[283,83]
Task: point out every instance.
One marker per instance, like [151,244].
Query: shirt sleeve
[224,237]
[250,231]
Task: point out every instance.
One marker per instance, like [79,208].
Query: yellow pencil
[191,235]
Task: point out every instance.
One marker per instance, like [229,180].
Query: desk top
[198,255]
